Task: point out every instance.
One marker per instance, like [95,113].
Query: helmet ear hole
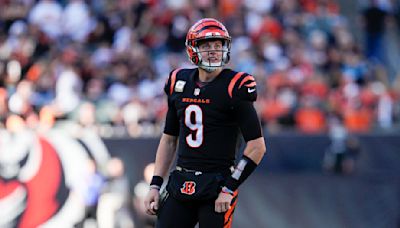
[228,57]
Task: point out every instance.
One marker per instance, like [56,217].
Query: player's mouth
[212,59]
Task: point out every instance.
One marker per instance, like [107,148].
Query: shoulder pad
[243,86]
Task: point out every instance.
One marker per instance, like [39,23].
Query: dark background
[290,188]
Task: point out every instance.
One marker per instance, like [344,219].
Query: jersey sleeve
[243,87]
[247,118]
[171,120]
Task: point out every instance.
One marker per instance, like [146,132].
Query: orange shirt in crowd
[312,6]
[228,8]
[273,109]
[357,120]
[310,120]
[316,88]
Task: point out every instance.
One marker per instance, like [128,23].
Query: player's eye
[205,46]
[218,46]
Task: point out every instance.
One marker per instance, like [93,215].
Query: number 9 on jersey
[195,138]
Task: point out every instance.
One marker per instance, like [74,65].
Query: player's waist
[224,172]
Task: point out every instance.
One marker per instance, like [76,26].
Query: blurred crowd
[104,63]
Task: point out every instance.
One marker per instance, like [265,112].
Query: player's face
[211,51]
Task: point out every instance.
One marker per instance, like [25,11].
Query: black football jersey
[209,118]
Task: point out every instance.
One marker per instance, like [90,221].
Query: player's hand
[151,201]
[223,202]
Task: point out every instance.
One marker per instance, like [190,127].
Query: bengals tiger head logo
[188,188]
[37,175]
[31,177]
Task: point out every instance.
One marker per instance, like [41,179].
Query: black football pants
[178,214]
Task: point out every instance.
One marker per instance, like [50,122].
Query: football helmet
[207,28]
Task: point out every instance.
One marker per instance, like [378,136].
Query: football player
[208,107]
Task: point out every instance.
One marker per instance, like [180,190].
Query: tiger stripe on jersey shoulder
[233,82]
[242,86]
[173,80]
[248,78]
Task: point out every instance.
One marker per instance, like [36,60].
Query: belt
[196,172]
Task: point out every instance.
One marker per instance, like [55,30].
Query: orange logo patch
[188,188]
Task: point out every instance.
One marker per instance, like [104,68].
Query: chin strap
[209,69]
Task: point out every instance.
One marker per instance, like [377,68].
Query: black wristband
[157,180]
[243,170]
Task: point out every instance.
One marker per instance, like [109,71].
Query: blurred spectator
[87,134]
[3,106]
[68,90]
[341,155]
[47,15]
[92,188]
[140,192]
[310,118]
[117,57]
[177,31]
[374,22]
[385,109]
[76,21]
[133,113]
[357,119]
[113,208]
[20,101]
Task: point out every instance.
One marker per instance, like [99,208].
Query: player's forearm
[255,150]
[165,155]
[252,156]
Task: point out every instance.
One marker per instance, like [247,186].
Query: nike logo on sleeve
[250,90]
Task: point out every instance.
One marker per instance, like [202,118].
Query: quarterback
[209,108]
